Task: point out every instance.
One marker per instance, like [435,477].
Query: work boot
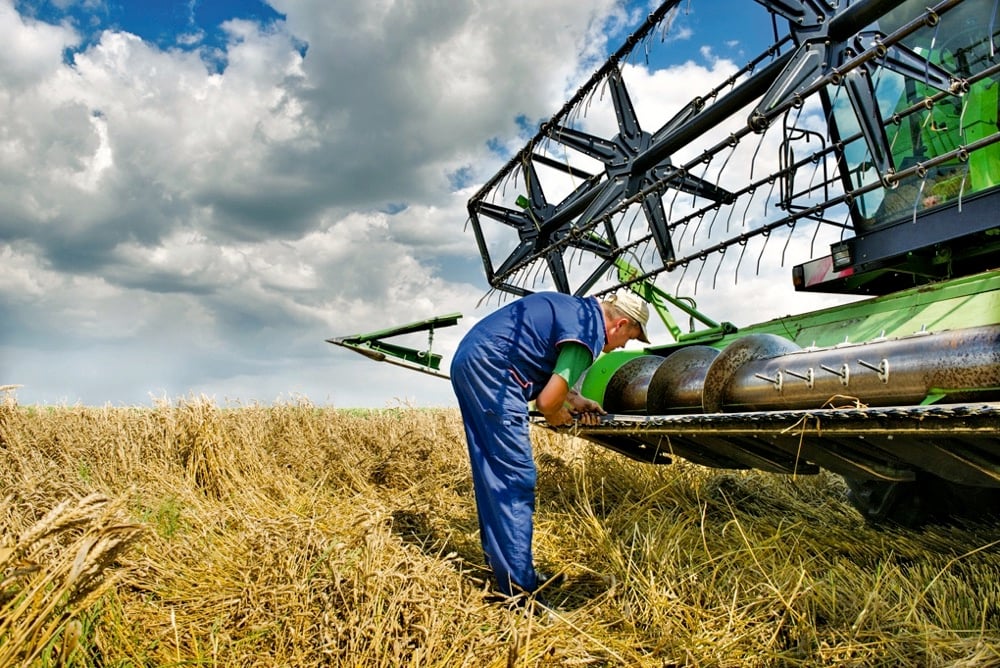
[544,581]
[547,589]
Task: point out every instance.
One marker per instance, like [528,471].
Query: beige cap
[634,307]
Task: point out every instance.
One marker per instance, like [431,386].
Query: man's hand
[587,411]
[561,405]
[559,417]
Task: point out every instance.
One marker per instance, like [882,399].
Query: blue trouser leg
[503,476]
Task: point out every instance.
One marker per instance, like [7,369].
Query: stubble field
[193,534]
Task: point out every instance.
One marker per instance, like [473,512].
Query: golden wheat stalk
[54,570]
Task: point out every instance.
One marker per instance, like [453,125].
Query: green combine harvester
[866,137]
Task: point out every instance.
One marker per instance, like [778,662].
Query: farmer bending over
[535,348]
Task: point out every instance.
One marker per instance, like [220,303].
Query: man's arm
[552,401]
[557,402]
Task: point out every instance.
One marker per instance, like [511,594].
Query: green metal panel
[969,301]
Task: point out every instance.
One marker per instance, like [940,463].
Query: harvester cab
[863,144]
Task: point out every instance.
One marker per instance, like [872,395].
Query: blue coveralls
[503,363]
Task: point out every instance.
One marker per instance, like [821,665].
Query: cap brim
[644,337]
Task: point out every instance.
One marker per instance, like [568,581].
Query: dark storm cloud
[263,213]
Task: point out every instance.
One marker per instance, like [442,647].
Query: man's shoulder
[562,297]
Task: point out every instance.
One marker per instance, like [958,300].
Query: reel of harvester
[864,141]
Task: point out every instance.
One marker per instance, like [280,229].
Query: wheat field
[194,534]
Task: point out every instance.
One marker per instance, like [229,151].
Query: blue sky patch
[169,24]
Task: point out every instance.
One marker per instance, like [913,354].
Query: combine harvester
[864,141]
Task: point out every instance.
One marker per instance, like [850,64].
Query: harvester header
[862,147]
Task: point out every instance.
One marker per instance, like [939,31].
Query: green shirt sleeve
[574,358]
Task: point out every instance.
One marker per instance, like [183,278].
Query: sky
[197,194]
